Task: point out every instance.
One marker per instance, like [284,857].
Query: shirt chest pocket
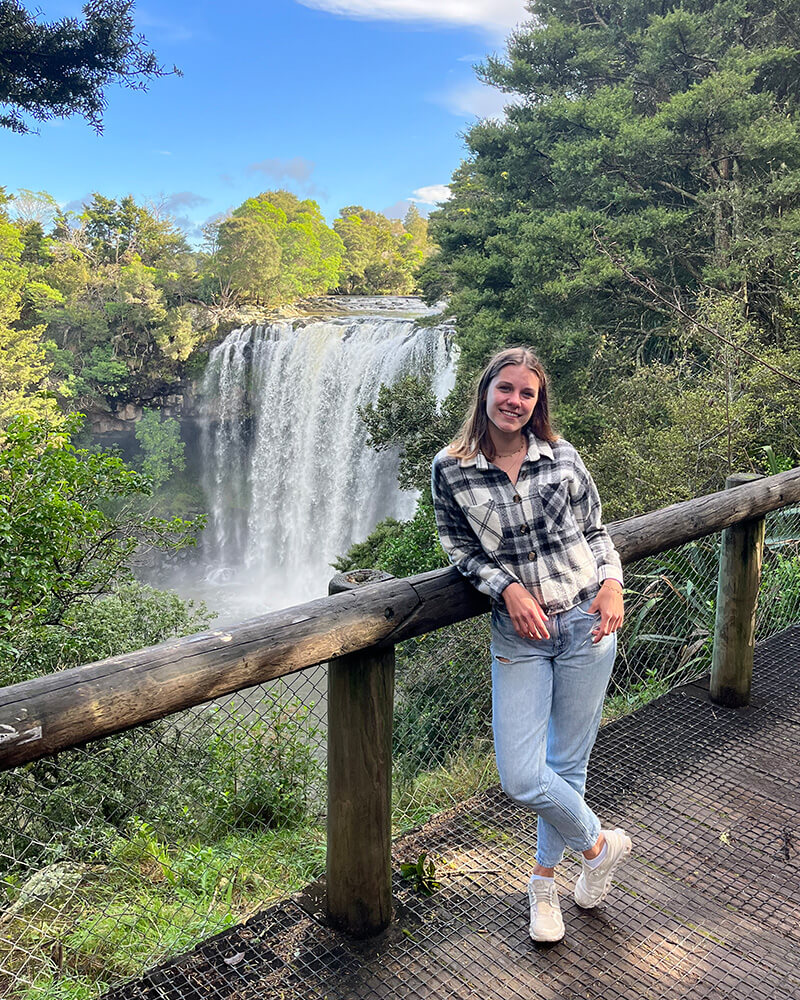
[485,521]
[553,501]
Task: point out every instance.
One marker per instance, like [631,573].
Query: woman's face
[511,398]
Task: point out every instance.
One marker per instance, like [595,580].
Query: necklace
[510,454]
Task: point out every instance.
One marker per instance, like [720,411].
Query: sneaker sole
[548,940]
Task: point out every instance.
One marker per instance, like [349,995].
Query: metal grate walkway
[709,905]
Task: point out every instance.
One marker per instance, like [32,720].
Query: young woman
[520,517]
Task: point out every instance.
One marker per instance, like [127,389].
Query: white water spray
[290,480]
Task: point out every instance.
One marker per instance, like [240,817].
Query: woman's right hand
[526,614]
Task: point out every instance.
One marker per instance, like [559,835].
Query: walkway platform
[708,907]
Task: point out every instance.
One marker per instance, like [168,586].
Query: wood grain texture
[663,529]
[737,595]
[360,711]
[67,709]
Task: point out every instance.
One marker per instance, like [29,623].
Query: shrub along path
[709,905]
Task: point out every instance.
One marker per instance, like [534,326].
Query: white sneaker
[593,884]
[547,923]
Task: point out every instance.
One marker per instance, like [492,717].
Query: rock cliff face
[123,419]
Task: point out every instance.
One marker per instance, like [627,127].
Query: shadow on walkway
[709,905]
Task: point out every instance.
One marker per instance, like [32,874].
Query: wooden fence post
[360,714]
[737,594]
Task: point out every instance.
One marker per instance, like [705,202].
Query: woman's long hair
[474,434]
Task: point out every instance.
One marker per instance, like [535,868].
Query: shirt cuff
[498,584]
[611,572]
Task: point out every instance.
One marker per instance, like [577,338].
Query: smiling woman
[518,514]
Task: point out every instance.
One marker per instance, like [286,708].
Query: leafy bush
[102,373]
[443,702]
[779,596]
[160,441]
[260,769]
[401,548]
[670,605]
[70,528]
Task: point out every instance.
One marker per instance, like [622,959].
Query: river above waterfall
[289,480]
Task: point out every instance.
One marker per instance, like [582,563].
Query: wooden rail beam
[648,534]
[66,709]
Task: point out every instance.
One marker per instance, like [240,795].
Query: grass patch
[635,696]
[149,902]
[416,800]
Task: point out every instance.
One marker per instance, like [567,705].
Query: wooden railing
[356,631]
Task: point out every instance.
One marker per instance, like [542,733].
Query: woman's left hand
[610,604]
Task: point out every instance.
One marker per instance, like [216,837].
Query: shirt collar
[536,449]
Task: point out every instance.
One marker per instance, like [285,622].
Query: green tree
[117,231]
[177,336]
[60,68]
[159,438]
[24,371]
[310,252]
[245,260]
[407,414]
[70,525]
[273,249]
[134,304]
[101,374]
[379,255]
[647,174]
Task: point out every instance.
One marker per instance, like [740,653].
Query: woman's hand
[526,614]
[611,607]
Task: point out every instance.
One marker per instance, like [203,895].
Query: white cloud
[492,14]
[297,169]
[433,194]
[476,99]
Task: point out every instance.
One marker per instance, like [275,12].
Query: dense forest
[635,216]
[112,305]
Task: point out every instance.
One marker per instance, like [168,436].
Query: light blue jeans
[547,700]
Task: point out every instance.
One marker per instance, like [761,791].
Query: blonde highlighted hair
[474,434]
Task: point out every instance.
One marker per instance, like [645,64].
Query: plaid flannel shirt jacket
[545,532]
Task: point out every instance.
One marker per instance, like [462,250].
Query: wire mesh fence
[133,849]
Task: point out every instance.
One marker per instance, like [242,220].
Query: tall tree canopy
[274,249]
[61,68]
[645,179]
[381,255]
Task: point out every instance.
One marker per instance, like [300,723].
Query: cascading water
[289,478]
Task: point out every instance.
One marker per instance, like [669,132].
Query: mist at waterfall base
[289,479]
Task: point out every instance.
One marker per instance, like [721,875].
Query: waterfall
[289,478]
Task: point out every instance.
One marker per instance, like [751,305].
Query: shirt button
[524,529]
[517,498]
[531,556]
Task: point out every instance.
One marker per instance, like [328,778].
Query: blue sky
[346,101]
